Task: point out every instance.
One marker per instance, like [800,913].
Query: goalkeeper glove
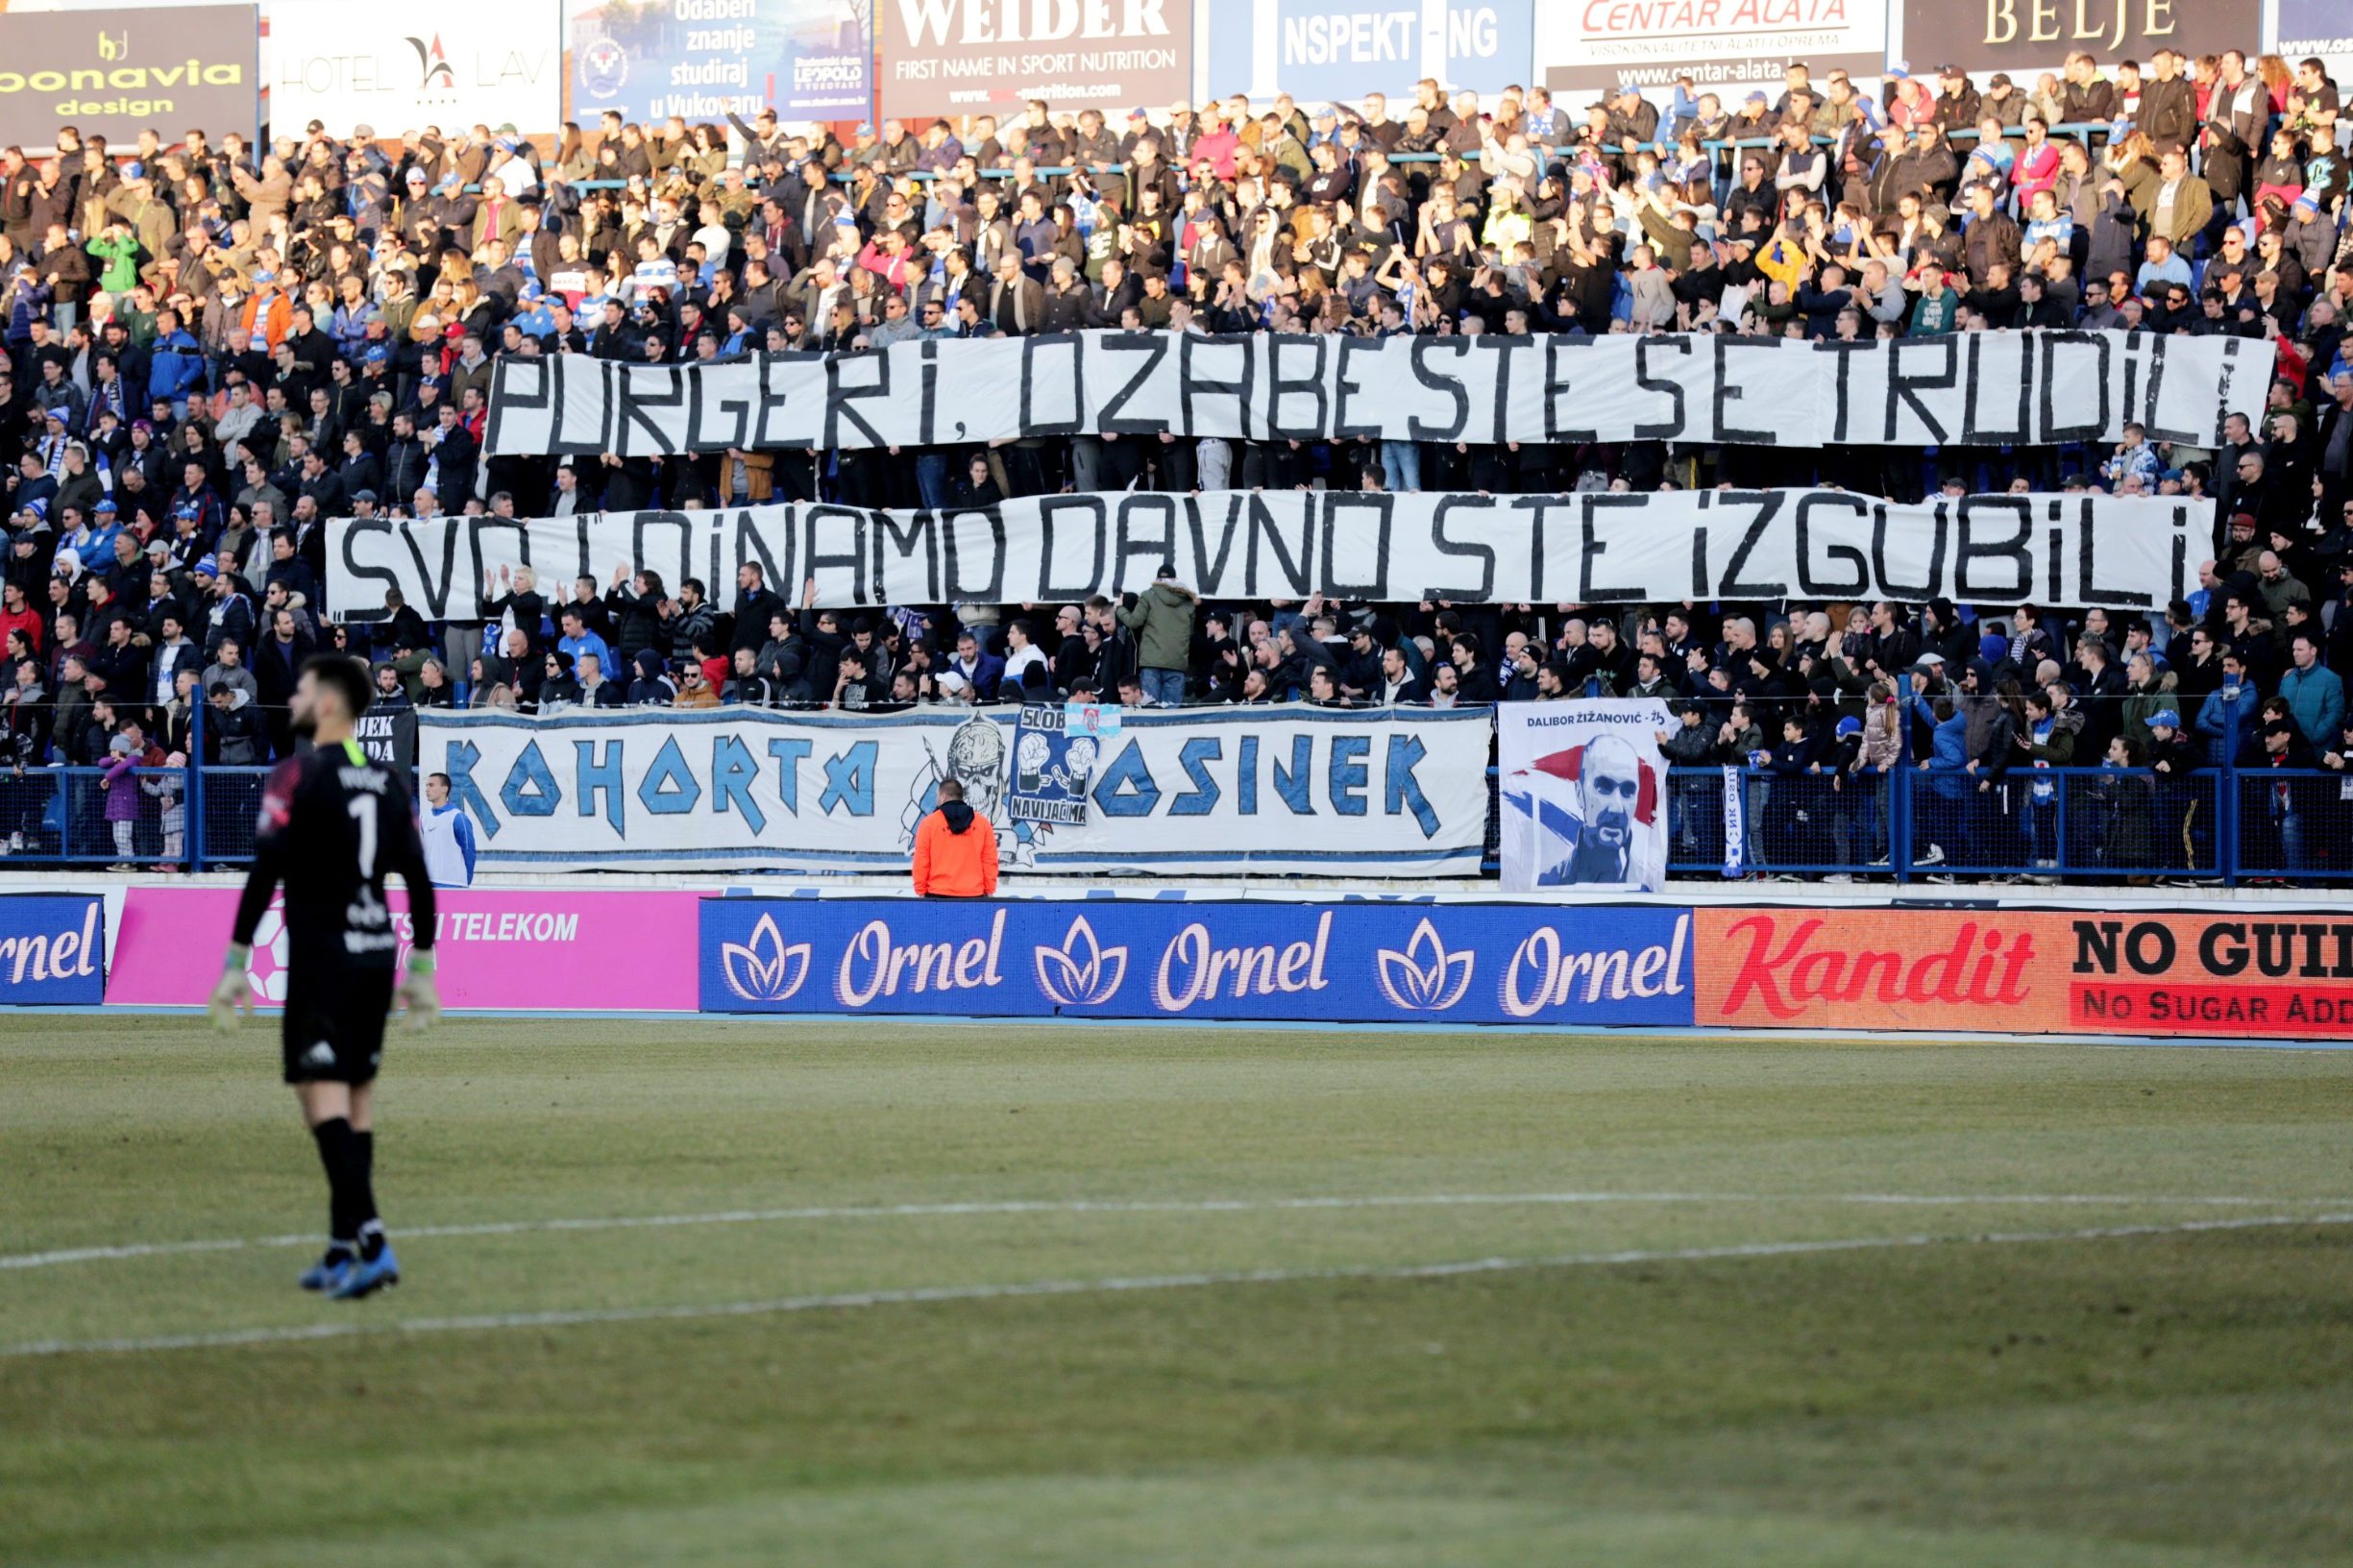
[418,994]
[233,992]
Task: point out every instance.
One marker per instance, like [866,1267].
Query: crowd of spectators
[215,346]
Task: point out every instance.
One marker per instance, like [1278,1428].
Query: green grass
[2168,1398]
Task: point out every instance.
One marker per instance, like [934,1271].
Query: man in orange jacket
[955,850]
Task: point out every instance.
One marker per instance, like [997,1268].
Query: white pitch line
[351,1329]
[1144,1206]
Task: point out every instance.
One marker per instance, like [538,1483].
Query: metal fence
[2085,824]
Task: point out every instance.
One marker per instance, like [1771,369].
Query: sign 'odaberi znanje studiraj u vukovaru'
[2022,388]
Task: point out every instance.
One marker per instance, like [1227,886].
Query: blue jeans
[1400,466]
[1165,687]
[931,480]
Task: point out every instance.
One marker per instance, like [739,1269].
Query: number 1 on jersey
[362,808]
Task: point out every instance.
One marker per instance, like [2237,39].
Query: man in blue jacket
[175,363]
[981,672]
[2223,718]
[2315,693]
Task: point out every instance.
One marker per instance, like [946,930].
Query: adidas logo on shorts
[321,1055]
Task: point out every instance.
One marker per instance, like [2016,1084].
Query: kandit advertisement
[497,950]
[2261,976]
[1348,963]
[52,950]
[116,73]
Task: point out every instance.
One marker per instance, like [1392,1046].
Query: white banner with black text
[2011,388]
[1288,790]
[1583,548]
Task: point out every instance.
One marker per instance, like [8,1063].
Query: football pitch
[892,1292]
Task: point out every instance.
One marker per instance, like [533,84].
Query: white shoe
[1838,877]
[1935,855]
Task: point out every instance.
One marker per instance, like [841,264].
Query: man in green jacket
[1161,618]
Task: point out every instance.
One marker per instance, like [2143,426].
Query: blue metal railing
[2224,825]
[2095,824]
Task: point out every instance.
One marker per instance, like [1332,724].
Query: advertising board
[1339,963]
[1584,47]
[2324,28]
[522,949]
[703,59]
[986,56]
[445,63]
[52,950]
[114,73]
[2262,976]
[1337,51]
[2039,35]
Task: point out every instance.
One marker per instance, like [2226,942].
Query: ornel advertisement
[116,73]
[2268,975]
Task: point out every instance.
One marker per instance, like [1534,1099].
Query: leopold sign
[116,73]
[1324,963]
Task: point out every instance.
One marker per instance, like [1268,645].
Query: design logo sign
[115,72]
[52,950]
[1149,959]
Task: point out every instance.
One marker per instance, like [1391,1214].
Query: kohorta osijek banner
[1290,789]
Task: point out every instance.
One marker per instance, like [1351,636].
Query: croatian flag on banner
[1582,794]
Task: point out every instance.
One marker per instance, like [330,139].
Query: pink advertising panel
[510,950]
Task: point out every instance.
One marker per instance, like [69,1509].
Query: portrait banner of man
[1583,794]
